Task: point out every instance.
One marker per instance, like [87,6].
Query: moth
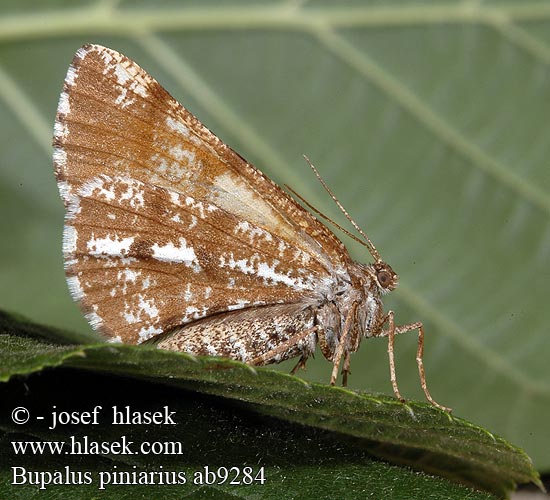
[174,238]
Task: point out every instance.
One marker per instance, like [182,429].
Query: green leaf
[429,120]
[415,434]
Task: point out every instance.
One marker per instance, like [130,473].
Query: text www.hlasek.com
[84,446]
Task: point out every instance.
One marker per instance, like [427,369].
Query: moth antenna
[368,243]
[321,214]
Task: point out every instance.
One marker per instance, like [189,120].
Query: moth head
[386,278]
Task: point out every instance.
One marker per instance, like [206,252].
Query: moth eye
[384,279]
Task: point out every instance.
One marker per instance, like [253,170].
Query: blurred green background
[429,120]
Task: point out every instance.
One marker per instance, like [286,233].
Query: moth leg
[300,364]
[266,356]
[342,343]
[420,362]
[393,330]
[345,369]
[391,355]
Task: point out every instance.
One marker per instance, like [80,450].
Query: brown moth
[172,237]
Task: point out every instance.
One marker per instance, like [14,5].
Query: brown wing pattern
[143,259]
[115,119]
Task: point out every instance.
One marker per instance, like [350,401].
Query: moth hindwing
[172,237]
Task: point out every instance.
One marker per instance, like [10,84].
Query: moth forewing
[172,237]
